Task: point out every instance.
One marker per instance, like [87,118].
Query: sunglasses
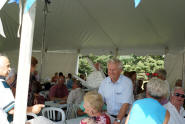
[181,95]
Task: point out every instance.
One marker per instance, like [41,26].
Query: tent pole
[116,52]
[24,64]
[183,68]
[77,62]
[43,51]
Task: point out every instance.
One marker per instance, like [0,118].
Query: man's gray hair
[176,88]
[116,61]
[157,88]
[161,72]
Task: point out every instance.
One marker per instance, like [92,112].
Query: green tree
[140,64]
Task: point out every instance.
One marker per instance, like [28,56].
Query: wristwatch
[117,120]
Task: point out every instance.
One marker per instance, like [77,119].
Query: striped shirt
[6,96]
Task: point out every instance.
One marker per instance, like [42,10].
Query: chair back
[54,114]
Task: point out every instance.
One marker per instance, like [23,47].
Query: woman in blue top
[149,110]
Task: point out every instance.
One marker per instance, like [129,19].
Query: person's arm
[80,112]
[31,109]
[11,111]
[126,97]
[122,112]
[126,121]
[64,98]
[167,117]
[35,109]
[81,109]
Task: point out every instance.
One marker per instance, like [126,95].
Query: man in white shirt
[175,106]
[6,96]
[117,91]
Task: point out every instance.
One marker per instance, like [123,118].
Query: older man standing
[6,96]
[117,91]
[175,106]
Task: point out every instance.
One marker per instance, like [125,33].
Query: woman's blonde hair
[94,100]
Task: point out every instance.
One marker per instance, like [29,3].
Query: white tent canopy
[175,66]
[102,26]
[54,62]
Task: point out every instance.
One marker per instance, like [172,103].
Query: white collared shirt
[6,96]
[116,94]
[175,116]
[3,117]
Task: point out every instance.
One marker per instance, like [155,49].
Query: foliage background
[140,64]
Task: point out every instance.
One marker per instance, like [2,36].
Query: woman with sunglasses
[175,106]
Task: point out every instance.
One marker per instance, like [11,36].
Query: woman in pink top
[93,103]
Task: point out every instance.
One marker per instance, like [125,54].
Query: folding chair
[54,114]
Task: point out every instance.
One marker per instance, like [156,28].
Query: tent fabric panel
[174,67]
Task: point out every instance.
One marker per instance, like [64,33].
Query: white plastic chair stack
[54,114]
[71,111]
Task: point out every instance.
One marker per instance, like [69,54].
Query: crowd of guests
[157,106]
[66,89]
[127,99]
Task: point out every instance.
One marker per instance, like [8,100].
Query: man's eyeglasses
[181,95]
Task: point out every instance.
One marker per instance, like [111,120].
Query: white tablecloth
[40,120]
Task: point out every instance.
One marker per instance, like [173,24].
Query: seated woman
[76,94]
[93,103]
[149,110]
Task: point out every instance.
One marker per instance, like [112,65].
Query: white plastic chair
[54,114]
